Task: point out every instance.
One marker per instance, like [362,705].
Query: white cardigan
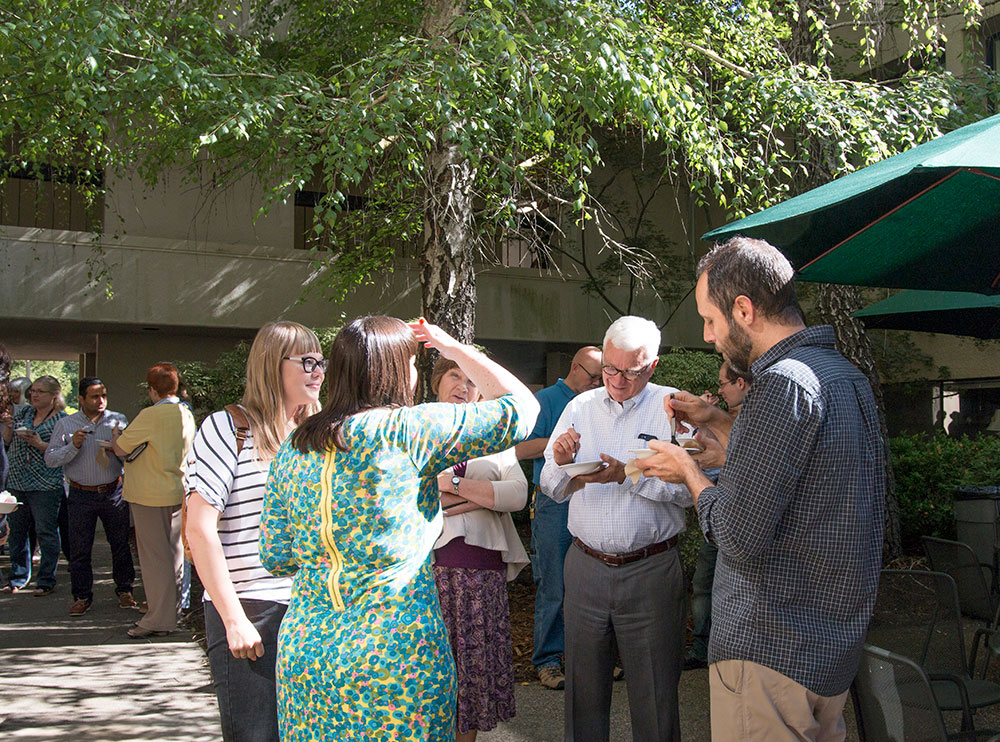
[494,529]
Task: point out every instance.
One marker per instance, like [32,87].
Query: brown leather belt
[617,560]
[101,488]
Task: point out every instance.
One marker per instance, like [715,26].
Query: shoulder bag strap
[241,423]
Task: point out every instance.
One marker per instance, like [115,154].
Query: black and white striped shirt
[236,489]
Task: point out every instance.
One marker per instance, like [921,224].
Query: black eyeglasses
[630,374]
[593,377]
[309,364]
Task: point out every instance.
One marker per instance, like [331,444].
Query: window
[49,198]
[305,208]
[527,246]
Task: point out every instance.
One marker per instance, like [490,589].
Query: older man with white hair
[623,576]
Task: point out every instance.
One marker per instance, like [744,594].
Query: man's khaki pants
[753,703]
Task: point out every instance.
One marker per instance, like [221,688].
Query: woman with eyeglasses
[352,510]
[38,486]
[244,604]
[155,447]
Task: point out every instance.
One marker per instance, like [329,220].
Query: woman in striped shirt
[244,604]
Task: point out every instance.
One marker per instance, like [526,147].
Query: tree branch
[742,71]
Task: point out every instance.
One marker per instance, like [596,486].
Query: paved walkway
[82,679]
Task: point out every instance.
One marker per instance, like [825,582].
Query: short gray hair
[633,333]
[20,384]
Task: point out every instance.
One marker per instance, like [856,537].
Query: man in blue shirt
[81,445]
[797,512]
[549,535]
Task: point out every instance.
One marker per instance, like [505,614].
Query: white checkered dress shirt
[617,518]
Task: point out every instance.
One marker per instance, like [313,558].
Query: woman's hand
[33,439]
[244,639]
[433,336]
[464,507]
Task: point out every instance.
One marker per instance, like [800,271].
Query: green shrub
[694,371]
[927,469]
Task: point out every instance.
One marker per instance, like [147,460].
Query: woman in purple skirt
[478,552]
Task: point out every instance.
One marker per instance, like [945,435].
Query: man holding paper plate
[623,575]
[797,510]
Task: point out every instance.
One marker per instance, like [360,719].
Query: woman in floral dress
[352,511]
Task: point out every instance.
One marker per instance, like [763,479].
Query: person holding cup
[36,485]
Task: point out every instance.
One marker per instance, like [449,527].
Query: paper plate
[641,453]
[577,468]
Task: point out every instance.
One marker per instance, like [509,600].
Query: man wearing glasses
[733,387]
[624,582]
[550,538]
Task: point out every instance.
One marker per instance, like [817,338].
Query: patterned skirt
[474,606]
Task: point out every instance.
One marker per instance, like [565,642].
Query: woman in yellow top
[154,487]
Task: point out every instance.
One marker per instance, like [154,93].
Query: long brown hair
[264,397]
[370,363]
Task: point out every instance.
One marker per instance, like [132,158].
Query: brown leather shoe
[552,677]
[137,632]
[125,600]
[79,607]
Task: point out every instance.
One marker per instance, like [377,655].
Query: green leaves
[352,96]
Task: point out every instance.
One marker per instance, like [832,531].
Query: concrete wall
[123,358]
[185,209]
[217,287]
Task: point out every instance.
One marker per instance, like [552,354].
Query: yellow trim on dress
[326,532]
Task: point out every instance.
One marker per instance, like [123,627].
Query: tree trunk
[447,276]
[835,305]
[446,263]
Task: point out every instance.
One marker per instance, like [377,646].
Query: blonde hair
[264,396]
[52,384]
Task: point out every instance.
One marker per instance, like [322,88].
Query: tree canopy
[469,112]
[455,122]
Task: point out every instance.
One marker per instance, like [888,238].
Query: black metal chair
[894,702]
[917,616]
[975,597]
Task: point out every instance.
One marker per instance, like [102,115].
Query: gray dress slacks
[641,609]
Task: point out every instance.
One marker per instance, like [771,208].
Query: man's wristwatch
[455,479]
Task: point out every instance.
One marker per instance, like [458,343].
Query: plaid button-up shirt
[797,515]
[28,471]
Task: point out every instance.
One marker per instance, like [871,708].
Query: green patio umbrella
[947,312]
[928,218]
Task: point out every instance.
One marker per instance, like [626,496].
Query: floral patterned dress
[363,653]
